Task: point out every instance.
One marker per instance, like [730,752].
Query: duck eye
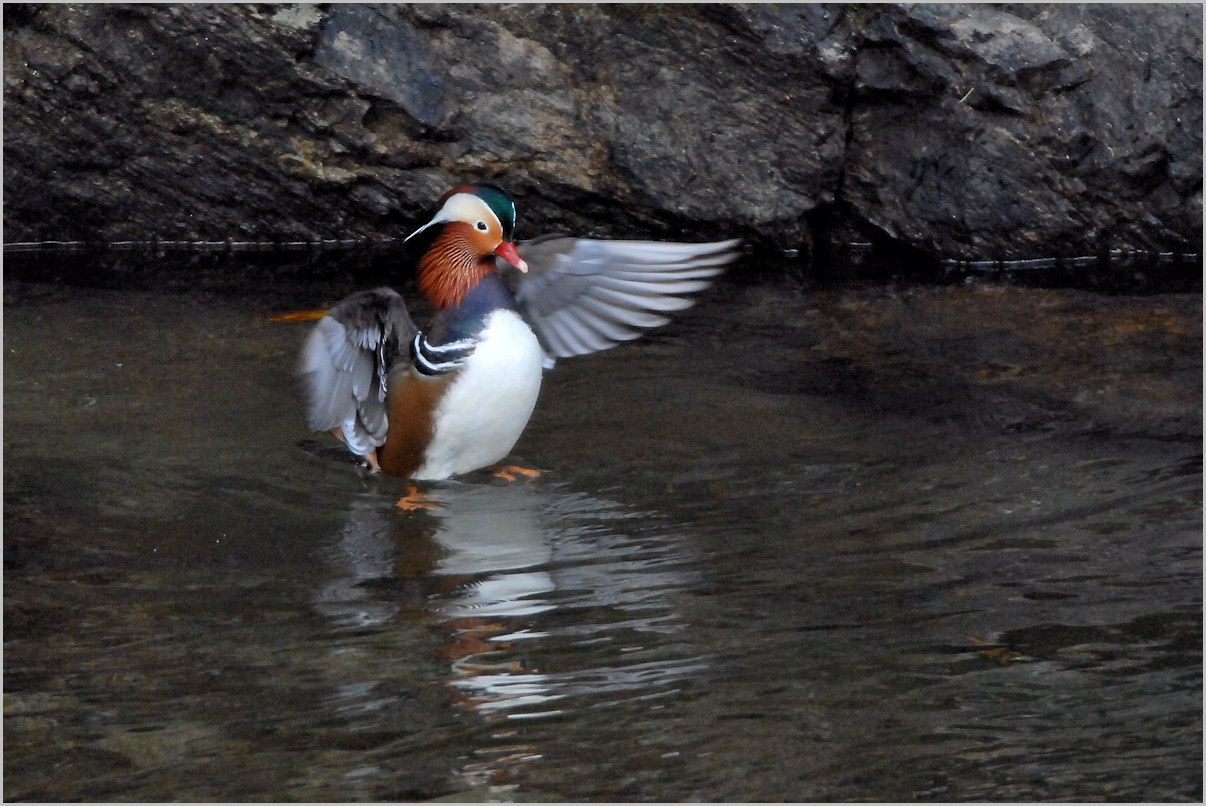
[481,225]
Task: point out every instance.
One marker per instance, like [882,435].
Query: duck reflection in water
[517,573]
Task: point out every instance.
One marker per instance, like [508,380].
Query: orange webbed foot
[415,501]
[511,472]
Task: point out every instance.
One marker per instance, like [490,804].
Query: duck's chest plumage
[487,403]
[470,418]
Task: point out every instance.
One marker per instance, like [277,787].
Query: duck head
[473,224]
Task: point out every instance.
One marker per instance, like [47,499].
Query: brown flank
[411,404]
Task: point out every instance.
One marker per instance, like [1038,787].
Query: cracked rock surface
[964,131]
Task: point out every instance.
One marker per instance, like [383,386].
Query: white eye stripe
[466,207]
[463,207]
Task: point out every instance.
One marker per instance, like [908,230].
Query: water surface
[871,541]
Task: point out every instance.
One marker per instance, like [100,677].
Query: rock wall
[967,131]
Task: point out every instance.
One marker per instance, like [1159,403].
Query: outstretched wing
[582,295]
[345,362]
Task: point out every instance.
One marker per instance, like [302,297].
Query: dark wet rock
[1037,129]
[965,131]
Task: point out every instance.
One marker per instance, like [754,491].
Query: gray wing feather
[560,338]
[344,364]
[582,295]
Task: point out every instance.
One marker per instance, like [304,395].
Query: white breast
[485,409]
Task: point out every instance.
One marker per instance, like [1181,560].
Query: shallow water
[888,542]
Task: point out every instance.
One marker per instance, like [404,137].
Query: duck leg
[370,457]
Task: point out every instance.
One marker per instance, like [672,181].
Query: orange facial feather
[452,266]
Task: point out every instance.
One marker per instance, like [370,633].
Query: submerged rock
[963,131]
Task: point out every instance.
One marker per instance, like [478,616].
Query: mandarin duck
[430,404]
